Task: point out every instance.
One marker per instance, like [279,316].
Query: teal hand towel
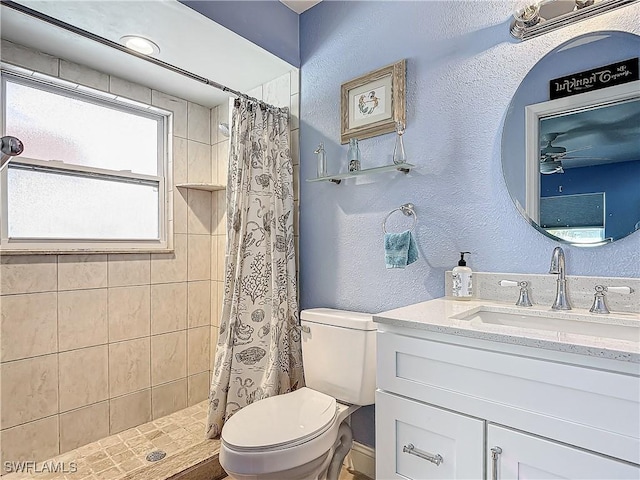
[399,249]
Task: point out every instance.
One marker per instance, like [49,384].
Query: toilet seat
[241,452]
[279,422]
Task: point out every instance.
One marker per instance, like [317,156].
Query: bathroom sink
[562,322]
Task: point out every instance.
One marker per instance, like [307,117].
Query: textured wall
[462,70]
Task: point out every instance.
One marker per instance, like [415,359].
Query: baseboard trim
[362,459]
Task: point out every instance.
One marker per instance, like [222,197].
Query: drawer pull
[411,450]
[495,453]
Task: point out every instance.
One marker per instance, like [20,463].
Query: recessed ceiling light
[140,44]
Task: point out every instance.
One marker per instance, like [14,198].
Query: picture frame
[371,104]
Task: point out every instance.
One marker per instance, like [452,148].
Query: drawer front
[593,409]
[525,457]
[403,423]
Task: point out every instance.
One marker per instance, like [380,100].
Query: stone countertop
[443,315]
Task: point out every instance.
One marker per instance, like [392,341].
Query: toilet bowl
[302,435]
[291,436]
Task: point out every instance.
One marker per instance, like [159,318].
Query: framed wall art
[372,103]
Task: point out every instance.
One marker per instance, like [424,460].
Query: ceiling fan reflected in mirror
[551,156]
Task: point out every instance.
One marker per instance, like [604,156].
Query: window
[92,176]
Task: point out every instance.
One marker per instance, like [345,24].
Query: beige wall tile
[179,160]
[126,89]
[294,140]
[198,123]
[27,58]
[29,390]
[215,259]
[294,112]
[197,388]
[216,304]
[83,377]
[223,162]
[84,75]
[169,398]
[28,325]
[224,114]
[221,257]
[199,306]
[199,257]
[175,105]
[198,162]
[129,312]
[215,132]
[218,217]
[171,267]
[28,274]
[214,163]
[180,210]
[34,440]
[78,272]
[198,349]
[296,182]
[168,307]
[295,81]
[215,331]
[129,411]
[129,366]
[278,91]
[82,426]
[199,212]
[82,318]
[168,357]
[129,269]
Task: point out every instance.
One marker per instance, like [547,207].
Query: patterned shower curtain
[259,350]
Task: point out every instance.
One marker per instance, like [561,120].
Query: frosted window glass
[57,127]
[53,205]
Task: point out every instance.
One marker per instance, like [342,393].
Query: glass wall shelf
[401,167]
[207,187]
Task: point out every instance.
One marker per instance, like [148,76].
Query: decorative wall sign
[371,104]
[601,77]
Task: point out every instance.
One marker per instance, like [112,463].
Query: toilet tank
[339,354]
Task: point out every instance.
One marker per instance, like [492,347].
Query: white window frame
[10,245]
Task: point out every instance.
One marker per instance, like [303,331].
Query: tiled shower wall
[94,344]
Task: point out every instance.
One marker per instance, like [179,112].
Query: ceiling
[596,136]
[300,6]
[186,38]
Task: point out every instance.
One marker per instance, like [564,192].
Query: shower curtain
[259,350]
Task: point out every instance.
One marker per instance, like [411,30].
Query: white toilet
[302,435]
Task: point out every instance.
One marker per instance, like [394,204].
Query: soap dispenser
[462,286]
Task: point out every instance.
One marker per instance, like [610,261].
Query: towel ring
[407,209]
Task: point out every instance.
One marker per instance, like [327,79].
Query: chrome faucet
[557,267]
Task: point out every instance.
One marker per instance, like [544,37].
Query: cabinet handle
[495,453]
[411,450]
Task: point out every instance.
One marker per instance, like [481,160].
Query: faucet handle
[523,298]
[599,299]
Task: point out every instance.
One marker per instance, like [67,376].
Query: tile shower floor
[123,456]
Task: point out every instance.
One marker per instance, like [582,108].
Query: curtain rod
[109,43]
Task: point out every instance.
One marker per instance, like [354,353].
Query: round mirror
[571,140]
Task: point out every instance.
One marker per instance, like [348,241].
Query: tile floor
[123,456]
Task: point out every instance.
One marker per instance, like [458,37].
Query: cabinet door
[411,436]
[523,456]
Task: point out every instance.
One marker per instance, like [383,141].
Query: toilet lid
[280,421]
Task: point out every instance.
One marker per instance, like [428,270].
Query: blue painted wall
[267,23]
[619,181]
[462,70]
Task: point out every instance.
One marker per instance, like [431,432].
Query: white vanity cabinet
[542,414]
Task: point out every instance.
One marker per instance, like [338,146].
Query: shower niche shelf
[401,167]
[207,187]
